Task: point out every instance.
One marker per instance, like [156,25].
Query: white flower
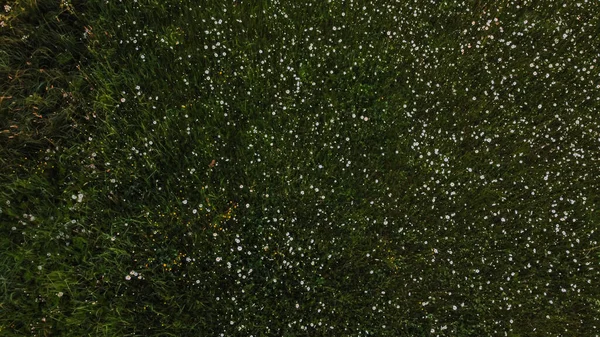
[128,277]
[218,259]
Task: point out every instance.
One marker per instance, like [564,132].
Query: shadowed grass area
[311,168]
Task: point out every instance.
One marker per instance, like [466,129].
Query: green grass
[309,168]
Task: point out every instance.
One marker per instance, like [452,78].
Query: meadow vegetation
[301,168]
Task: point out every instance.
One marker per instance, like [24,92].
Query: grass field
[299,168]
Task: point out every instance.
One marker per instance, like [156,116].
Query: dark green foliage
[314,168]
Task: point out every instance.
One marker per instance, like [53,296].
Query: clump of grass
[42,118]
